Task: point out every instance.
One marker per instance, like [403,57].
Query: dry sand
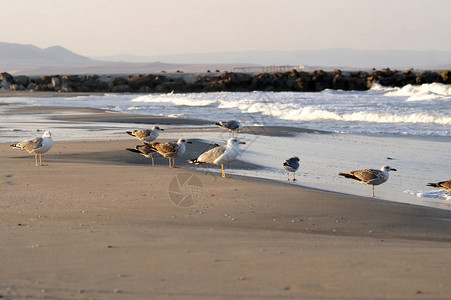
[100,223]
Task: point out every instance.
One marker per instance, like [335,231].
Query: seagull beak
[243,143]
[189,142]
[161,129]
[393,169]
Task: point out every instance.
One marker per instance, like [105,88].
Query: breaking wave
[424,92]
[309,113]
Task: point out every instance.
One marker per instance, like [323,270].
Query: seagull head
[156,128]
[234,141]
[47,134]
[183,141]
[387,168]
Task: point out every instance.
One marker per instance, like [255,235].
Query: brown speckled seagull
[444,185]
[171,150]
[369,176]
[145,150]
[146,135]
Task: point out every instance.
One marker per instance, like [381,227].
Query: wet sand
[100,223]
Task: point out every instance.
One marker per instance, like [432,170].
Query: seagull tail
[195,161]
[16,146]
[217,123]
[130,133]
[347,175]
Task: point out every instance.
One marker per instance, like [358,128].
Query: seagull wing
[211,155]
[31,145]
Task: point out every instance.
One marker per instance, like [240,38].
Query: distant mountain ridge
[19,55]
[31,60]
[328,58]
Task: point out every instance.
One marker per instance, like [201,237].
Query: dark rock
[429,77]
[123,88]
[141,81]
[6,77]
[31,86]
[22,80]
[44,80]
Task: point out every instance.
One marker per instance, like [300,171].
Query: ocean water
[407,128]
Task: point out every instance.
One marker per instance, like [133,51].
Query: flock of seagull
[219,155]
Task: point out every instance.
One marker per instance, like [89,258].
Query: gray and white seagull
[220,155]
[231,125]
[36,146]
[146,135]
[369,176]
[291,165]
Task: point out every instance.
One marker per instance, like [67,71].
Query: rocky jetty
[297,81]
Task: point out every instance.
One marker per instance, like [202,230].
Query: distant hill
[328,58]
[25,55]
[31,60]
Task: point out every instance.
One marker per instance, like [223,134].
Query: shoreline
[81,122]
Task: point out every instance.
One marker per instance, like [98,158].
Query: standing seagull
[146,135]
[220,155]
[36,146]
[145,150]
[291,165]
[231,125]
[370,176]
[170,150]
[444,185]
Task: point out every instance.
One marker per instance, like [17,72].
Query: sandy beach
[100,223]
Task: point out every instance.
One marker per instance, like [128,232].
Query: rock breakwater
[228,81]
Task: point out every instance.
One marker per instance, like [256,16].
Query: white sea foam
[424,92]
[436,194]
[289,112]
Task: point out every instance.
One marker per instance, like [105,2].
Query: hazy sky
[152,27]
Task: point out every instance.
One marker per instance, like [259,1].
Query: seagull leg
[294,176]
[372,191]
[152,162]
[36,159]
[288,173]
[223,173]
[173,163]
[170,166]
[40,160]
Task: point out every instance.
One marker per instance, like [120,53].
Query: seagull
[145,150]
[170,150]
[370,176]
[36,146]
[444,185]
[231,125]
[146,135]
[291,165]
[220,155]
